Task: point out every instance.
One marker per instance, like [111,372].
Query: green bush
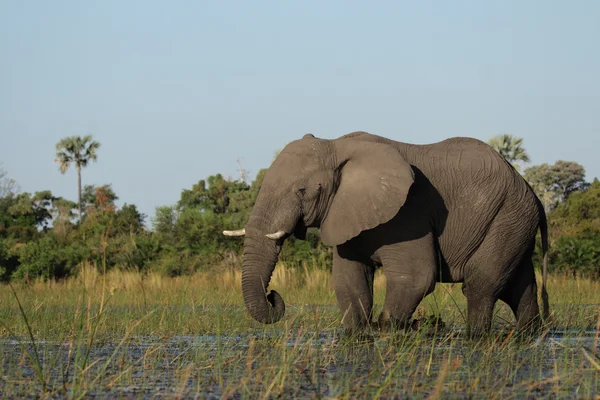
[173,265]
[577,256]
[143,249]
[45,258]
[575,233]
[9,262]
[312,251]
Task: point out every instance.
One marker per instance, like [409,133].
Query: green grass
[123,332]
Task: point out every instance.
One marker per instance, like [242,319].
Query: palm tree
[511,148]
[80,151]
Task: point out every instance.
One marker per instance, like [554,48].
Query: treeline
[51,237]
[41,235]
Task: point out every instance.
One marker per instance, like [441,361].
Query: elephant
[451,211]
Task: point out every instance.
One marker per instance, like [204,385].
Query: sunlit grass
[195,304]
[191,336]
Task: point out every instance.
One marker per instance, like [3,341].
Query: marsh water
[297,363]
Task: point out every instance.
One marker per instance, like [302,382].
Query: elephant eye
[301,191]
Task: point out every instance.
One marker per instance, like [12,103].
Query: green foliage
[76,149]
[8,260]
[30,210]
[128,218]
[23,215]
[575,223]
[62,212]
[3,259]
[15,226]
[164,221]
[144,248]
[172,264]
[117,237]
[577,256]
[45,258]
[296,252]
[215,197]
[554,183]
[198,231]
[582,205]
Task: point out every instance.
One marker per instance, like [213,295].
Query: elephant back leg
[521,295]
[493,269]
[353,285]
[410,273]
[497,270]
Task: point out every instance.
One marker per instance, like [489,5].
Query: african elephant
[451,211]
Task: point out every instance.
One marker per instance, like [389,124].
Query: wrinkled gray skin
[452,211]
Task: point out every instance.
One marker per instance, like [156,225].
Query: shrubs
[8,261]
[44,258]
[577,256]
[575,233]
[297,252]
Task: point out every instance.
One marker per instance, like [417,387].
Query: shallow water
[323,364]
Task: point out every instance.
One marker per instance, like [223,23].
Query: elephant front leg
[401,300]
[353,284]
[410,276]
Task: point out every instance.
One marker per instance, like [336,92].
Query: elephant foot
[429,324]
[390,324]
[381,326]
[359,334]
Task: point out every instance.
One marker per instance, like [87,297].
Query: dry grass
[197,338]
[571,298]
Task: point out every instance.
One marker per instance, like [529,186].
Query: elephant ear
[374,182]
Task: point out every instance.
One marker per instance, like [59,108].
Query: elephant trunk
[260,257]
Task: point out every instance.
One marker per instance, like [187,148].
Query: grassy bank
[204,303]
[149,335]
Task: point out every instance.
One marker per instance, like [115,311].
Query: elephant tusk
[276,236]
[239,232]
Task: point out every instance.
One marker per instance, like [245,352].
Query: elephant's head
[343,186]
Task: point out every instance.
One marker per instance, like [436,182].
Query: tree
[511,148]
[164,221]
[62,211]
[8,186]
[569,177]
[129,219]
[575,225]
[32,210]
[17,218]
[581,211]
[22,216]
[215,197]
[96,198]
[554,183]
[80,151]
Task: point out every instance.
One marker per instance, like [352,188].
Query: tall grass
[100,332]
[190,304]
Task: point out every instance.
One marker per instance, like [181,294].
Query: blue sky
[176,91]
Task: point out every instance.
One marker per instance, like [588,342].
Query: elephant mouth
[300,230]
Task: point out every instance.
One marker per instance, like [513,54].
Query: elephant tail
[544,234]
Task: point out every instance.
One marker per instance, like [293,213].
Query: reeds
[103,332]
